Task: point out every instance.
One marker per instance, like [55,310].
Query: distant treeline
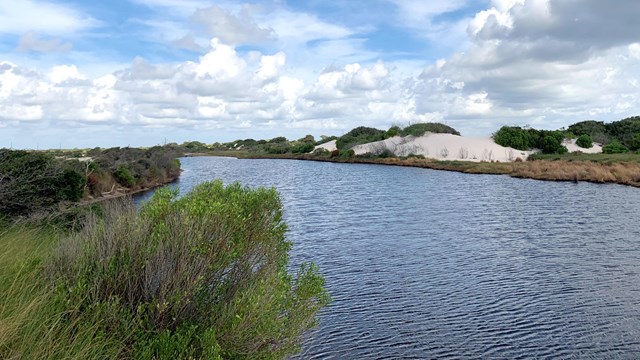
[39,181]
[617,137]
[281,145]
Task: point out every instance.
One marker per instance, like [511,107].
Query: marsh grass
[34,321]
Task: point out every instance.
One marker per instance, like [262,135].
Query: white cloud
[43,17]
[525,63]
[232,28]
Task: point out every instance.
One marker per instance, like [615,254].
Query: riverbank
[558,169]
[122,192]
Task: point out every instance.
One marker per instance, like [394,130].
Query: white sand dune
[452,147]
[445,147]
[572,147]
[329,146]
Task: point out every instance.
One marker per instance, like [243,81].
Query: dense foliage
[37,181]
[363,135]
[422,128]
[584,141]
[359,135]
[549,142]
[624,131]
[594,129]
[204,275]
[615,147]
[131,168]
[33,182]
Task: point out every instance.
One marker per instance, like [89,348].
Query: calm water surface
[434,264]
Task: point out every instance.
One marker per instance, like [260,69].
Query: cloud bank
[263,71]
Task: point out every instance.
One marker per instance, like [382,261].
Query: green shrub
[124,177]
[200,276]
[515,137]
[32,182]
[393,131]
[346,154]
[590,127]
[635,144]
[321,152]
[624,130]
[422,128]
[359,135]
[615,147]
[278,140]
[526,139]
[584,141]
[71,185]
[303,148]
[278,148]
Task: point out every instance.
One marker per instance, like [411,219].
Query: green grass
[32,315]
[598,158]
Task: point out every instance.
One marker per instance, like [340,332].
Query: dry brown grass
[625,173]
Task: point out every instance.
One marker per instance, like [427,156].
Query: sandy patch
[572,147]
[329,146]
[445,147]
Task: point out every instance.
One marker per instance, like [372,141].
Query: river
[434,264]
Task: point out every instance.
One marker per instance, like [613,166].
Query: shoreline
[621,173]
[119,195]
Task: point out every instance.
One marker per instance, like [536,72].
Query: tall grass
[34,322]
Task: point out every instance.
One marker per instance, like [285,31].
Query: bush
[635,144]
[200,276]
[615,147]
[278,140]
[303,148]
[584,141]
[321,152]
[393,131]
[422,128]
[359,135]
[516,138]
[589,127]
[526,139]
[124,177]
[346,154]
[278,148]
[32,182]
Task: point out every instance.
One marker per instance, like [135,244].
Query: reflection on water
[434,264]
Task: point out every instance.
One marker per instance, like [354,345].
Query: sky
[80,73]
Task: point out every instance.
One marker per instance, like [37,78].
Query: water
[434,264]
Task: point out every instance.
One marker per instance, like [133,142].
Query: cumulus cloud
[536,62]
[232,28]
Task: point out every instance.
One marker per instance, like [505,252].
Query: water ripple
[428,264]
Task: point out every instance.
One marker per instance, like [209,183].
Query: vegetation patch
[202,276]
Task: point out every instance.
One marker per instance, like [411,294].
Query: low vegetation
[34,182]
[202,276]
[549,142]
[584,141]
[625,131]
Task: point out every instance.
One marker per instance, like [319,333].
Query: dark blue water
[434,264]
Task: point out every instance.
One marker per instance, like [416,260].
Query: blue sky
[77,73]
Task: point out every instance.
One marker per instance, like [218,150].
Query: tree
[584,141]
